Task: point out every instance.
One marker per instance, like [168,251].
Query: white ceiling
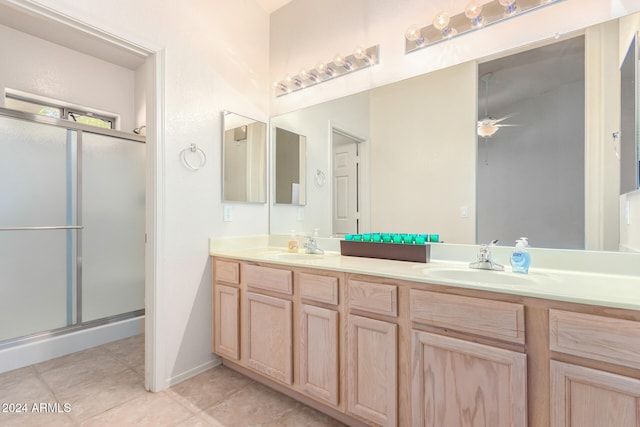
[272,5]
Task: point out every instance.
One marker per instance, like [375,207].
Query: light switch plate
[227,215]
[300,214]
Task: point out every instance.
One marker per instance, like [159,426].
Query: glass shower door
[113,215]
[38,228]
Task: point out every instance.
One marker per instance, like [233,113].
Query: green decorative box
[398,252]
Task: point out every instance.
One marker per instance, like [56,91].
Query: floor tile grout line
[219,402]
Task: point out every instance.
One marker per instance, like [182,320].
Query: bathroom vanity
[392,343]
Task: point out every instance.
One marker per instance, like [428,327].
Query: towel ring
[194,149]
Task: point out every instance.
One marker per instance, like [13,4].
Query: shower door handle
[53,227]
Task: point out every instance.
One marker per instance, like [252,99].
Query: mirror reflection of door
[345,183]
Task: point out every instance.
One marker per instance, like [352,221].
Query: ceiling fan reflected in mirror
[488,126]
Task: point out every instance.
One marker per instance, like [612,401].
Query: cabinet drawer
[319,288]
[493,319]
[595,337]
[374,297]
[227,271]
[271,279]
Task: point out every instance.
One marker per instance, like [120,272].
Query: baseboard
[33,352]
[216,361]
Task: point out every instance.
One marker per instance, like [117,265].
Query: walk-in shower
[72,232]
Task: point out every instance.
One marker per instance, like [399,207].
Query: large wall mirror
[244,159]
[290,167]
[428,170]
[629,121]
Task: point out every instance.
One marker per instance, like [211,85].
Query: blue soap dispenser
[520,258]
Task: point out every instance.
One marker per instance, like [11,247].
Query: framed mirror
[290,167]
[244,159]
[629,126]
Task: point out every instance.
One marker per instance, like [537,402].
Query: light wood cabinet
[319,353]
[493,319]
[226,324]
[595,337]
[461,383]
[374,351]
[372,370]
[268,340]
[584,397]
[378,298]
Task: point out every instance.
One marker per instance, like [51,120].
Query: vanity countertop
[609,290]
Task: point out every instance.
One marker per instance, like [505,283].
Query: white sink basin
[287,256]
[478,276]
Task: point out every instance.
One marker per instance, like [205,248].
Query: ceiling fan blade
[508,116]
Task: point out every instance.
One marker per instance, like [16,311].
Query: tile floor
[104,386]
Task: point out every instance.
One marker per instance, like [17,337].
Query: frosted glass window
[74,114]
[33,107]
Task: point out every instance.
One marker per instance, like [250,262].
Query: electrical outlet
[227,215]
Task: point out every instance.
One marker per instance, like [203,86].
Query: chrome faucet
[311,246]
[484,261]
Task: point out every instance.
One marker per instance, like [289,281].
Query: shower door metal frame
[80,129]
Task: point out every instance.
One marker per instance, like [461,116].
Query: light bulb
[340,61]
[473,11]
[361,53]
[293,81]
[509,6]
[323,69]
[414,34]
[441,21]
[308,75]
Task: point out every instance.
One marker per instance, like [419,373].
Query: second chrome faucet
[484,261]
[311,246]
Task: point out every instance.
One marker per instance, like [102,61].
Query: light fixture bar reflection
[338,66]
[491,13]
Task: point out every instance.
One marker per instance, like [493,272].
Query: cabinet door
[455,382]
[319,352]
[584,397]
[372,370]
[226,331]
[268,345]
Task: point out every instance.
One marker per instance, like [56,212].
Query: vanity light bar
[475,17]
[339,66]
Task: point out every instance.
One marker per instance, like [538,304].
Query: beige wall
[423,171]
